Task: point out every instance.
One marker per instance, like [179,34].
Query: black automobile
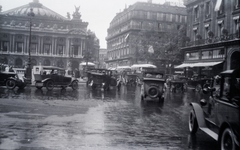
[219,115]
[152,85]
[197,82]
[11,80]
[51,76]
[101,78]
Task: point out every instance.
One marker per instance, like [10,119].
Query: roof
[39,10]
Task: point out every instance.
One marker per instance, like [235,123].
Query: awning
[200,64]
[218,4]
[206,64]
[185,65]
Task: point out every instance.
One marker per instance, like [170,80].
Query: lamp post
[28,74]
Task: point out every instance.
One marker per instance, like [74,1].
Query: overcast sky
[98,13]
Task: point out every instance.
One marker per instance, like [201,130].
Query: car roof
[235,72]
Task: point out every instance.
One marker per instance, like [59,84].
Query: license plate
[39,84]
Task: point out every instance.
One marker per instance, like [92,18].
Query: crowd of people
[6,68]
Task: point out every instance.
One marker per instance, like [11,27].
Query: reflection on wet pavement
[87,119]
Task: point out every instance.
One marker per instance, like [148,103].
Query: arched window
[235,62]
[60,64]
[46,62]
[18,63]
[33,62]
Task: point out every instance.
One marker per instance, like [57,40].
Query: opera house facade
[47,37]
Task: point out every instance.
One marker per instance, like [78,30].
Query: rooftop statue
[76,15]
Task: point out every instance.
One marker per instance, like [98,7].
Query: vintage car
[197,82]
[177,83]
[11,80]
[152,85]
[51,76]
[219,115]
[101,78]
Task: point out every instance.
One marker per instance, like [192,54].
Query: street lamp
[28,74]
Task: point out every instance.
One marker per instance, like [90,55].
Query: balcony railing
[213,40]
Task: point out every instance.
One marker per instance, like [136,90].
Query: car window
[236,88]
[226,87]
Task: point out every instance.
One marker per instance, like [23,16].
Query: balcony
[220,39]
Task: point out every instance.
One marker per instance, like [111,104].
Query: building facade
[55,40]
[102,58]
[141,16]
[213,31]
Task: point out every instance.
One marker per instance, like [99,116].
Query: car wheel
[74,85]
[49,85]
[227,140]
[192,122]
[198,88]
[11,84]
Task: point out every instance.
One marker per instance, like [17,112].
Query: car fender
[10,78]
[199,115]
[45,80]
[74,80]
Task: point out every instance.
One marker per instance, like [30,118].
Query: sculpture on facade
[76,15]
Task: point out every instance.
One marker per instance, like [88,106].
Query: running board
[210,133]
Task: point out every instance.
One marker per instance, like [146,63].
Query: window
[207,10]
[33,48]
[46,49]
[159,26]
[5,46]
[196,13]
[222,8]
[193,56]
[60,49]
[220,27]
[218,53]
[237,4]
[75,50]
[19,47]
[195,33]
[206,54]
[207,26]
[236,24]
[226,87]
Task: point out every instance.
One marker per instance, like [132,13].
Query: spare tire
[153,92]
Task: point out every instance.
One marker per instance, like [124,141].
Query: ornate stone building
[141,16]
[213,31]
[55,40]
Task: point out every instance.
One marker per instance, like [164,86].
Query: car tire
[192,122]
[227,140]
[74,85]
[11,84]
[153,92]
[49,85]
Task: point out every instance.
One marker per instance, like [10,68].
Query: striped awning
[199,64]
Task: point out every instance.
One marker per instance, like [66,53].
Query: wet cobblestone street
[85,119]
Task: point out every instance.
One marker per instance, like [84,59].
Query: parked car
[50,77]
[152,85]
[197,82]
[11,80]
[101,78]
[219,116]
